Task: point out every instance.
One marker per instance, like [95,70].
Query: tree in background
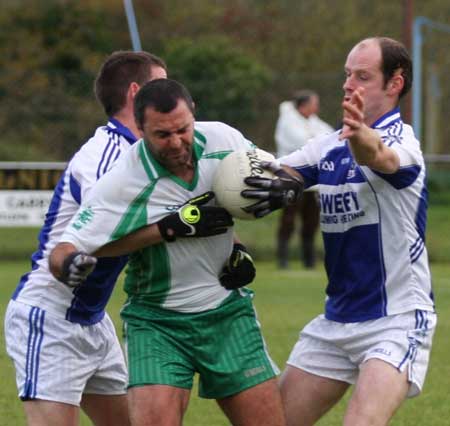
[49,55]
[240,58]
[223,81]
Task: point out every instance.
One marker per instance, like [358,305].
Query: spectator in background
[297,123]
[61,340]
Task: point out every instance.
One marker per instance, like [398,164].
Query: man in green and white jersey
[187,310]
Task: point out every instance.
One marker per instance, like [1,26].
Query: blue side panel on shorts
[348,300]
[50,219]
[35,337]
[88,305]
[421,323]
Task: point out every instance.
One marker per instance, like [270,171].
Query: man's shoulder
[217,132]
[100,151]
[208,127]
[398,132]
[215,136]
[94,146]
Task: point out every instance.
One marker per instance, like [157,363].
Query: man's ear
[396,83]
[133,89]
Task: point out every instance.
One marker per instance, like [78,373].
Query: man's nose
[175,141]
[348,84]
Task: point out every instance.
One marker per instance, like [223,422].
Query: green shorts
[224,345]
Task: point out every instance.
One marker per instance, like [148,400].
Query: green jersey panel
[182,275]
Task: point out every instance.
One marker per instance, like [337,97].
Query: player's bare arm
[139,239]
[72,267]
[57,256]
[365,143]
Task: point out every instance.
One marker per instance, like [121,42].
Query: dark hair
[163,95]
[119,70]
[302,97]
[395,56]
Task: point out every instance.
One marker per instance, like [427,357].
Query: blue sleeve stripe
[403,178]
[105,161]
[75,188]
[393,134]
[108,162]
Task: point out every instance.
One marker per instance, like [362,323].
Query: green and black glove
[194,219]
[272,194]
[239,269]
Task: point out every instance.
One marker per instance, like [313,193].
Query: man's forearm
[57,257]
[143,237]
[369,150]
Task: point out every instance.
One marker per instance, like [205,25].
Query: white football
[229,179]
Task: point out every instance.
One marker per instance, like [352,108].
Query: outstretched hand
[194,219]
[273,194]
[353,109]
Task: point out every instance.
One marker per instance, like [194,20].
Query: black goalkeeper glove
[272,194]
[194,219]
[239,269]
[76,267]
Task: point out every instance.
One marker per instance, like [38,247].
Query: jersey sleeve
[82,174]
[231,138]
[237,140]
[407,147]
[91,162]
[404,144]
[101,212]
[306,160]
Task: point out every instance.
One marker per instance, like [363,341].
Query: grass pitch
[285,302]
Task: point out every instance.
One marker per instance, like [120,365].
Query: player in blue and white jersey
[379,316]
[61,340]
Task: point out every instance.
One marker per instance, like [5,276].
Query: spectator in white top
[297,123]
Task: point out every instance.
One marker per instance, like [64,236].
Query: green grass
[285,302]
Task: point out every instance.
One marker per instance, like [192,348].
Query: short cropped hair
[162,95]
[302,97]
[395,56]
[118,71]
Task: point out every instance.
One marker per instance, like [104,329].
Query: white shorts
[57,360]
[337,350]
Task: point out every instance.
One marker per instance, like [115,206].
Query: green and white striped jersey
[181,275]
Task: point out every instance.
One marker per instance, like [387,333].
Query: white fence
[26,190]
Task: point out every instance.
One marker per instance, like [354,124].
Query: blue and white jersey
[84,305]
[373,225]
